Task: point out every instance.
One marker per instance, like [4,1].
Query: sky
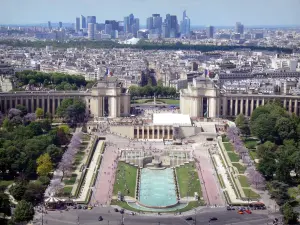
[209,12]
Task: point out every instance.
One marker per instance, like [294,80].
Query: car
[188,218]
[213,219]
[100,218]
[84,207]
[74,207]
[240,212]
[122,211]
[79,207]
[248,211]
[228,208]
[132,213]
[116,210]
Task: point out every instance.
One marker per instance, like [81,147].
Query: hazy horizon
[201,13]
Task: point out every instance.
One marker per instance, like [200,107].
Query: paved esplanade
[106,178]
[90,217]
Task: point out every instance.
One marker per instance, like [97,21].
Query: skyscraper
[108,29]
[149,23]
[210,32]
[60,24]
[185,25]
[49,25]
[83,22]
[157,23]
[91,31]
[239,28]
[91,19]
[126,24]
[131,24]
[77,24]
[135,26]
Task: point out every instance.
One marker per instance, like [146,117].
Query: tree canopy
[24,212]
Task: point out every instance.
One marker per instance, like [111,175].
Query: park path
[106,177]
[206,172]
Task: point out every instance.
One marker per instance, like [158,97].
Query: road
[90,217]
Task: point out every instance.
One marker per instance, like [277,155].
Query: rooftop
[171,119]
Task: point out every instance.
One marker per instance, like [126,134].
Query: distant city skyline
[201,13]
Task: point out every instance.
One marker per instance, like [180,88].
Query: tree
[263,127]
[278,191]
[286,128]
[34,193]
[289,215]
[39,113]
[54,152]
[4,204]
[45,165]
[24,212]
[22,108]
[18,190]
[242,123]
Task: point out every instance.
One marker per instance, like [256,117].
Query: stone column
[169,133]
[212,107]
[48,104]
[296,107]
[242,106]
[118,103]
[200,104]
[252,106]
[231,107]
[236,107]
[53,105]
[43,103]
[284,103]
[290,106]
[148,135]
[218,107]
[224,106]
[143,132]
[113,105]
[32,105]
[100,110]
[263,101]
[247,107]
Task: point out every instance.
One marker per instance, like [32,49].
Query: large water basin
[157,188]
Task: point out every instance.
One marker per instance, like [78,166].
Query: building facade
[203,98]
[106,98]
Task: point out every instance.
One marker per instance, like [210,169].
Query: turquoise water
[172,209]
[157,188]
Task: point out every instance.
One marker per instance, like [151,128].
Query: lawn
[188,180]
[71,180]
[67,190]
[253,154]
[5,183]
[250,194]
[228,147]
[165,101]
[225,139]
[243,181]
[250,143]
[239,167]
[233,157]
[78,157]
[126,176]
[86,137]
